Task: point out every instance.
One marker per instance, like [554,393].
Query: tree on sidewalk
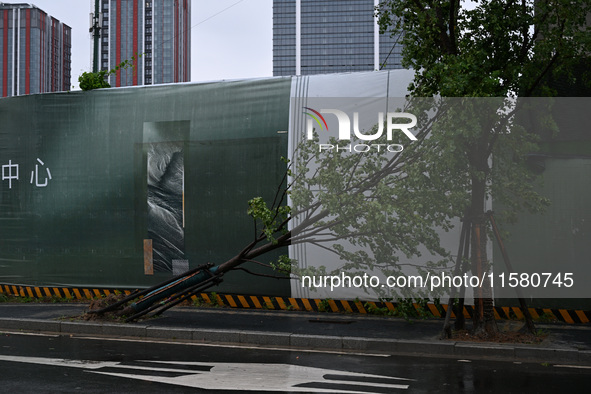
[491,48]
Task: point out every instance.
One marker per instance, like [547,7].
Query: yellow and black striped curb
[307,304]
[57,292]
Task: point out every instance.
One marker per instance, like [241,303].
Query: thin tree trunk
[201,276]
[460,323]
[484,318]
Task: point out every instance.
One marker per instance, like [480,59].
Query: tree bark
[484,318]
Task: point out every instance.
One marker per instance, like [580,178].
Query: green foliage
[214,301]
[98,80]
[499,50]
[197,301]
[541,333]
[324,305]
[406,309]
[28,299]
[372,309]
[90,80]
[284,264]
[490,48]
[470,151]
[546,318]
[270,219]
[356,206]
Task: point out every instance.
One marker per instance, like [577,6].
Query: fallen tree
[334,198]
[372,209]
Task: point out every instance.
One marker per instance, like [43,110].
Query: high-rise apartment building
[158,30]
[35,51]
[328,36]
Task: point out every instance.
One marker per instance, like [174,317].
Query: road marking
[256,377]
[259,347]
[573,366]
[86,364]
[32,334]
[273,377]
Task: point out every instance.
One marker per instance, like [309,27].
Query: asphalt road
[69,364]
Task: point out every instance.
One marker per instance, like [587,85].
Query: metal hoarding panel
[74,194]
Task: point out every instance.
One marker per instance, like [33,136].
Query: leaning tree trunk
[194,278]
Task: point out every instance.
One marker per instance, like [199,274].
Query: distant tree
[90,80]
[489,48]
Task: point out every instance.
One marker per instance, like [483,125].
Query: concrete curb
[472,350]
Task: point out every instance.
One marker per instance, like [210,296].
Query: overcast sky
[235,43]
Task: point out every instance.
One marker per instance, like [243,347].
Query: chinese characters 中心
[39,178]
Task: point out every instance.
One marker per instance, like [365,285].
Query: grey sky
[236,43]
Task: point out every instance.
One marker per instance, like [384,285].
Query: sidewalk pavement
[565,344]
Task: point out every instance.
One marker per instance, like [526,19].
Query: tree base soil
[500,337]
